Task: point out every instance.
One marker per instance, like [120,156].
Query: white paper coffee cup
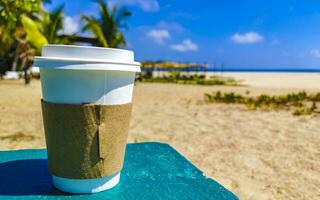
[81,74]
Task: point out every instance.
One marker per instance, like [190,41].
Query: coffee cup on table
[86,105]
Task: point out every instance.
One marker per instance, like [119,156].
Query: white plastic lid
[86,58]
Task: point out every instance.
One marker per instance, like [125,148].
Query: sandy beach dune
[255,154]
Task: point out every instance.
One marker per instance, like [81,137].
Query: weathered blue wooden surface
[151,171]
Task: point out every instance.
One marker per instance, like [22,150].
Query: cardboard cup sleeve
[85,141]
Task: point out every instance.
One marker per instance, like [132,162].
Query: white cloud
[159,35]
[247,38]
[70,25]
[146,5]
[185,45]
[315,52]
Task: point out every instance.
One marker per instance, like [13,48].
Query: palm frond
[93,25]
[122,15]
[106,27]
[119,40]
[87,25]
[34,36]
[56,20]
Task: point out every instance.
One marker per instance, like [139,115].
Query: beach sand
[264,79]
[255,154]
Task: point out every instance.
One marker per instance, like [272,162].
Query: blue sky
[237,33]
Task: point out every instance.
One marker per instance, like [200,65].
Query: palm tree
[24,28]
[20,38]
[106,28]
[11,12]
[51,25]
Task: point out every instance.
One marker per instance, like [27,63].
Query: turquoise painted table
[151,171]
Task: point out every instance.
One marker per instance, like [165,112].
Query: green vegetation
[194,79]
[51,26]
[171,65]
[299,101]
[16,19]
[25,26]
[19,136]
[106,28]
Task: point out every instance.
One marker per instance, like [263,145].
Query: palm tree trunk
[15,61]
[26,70]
